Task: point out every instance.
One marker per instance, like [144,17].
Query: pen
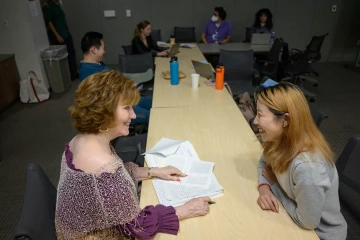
[211,202]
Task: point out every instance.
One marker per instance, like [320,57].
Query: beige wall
[25,38]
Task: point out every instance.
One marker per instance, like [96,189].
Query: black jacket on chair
[138,47]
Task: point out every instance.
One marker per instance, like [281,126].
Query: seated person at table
[144,43]
[97,191]
[93,47]
[217,29]
[297,166]
[263,22]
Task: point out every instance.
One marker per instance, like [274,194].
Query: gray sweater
[308,190]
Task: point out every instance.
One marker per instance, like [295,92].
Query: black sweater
[138,47]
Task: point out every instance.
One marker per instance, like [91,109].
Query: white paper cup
[195,80]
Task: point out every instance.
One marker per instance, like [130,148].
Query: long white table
[167,95]
[221,135]
[213,48]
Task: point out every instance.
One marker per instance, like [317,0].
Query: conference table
[214,48]
[220,134]
[167,95]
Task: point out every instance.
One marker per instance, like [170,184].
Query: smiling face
[123,115]
[98,52]
[270,126]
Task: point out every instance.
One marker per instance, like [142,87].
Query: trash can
[57,67]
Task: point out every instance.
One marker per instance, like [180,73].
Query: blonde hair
[300,134]
[96,100]
[141,25]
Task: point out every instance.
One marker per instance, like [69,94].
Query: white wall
[25,38]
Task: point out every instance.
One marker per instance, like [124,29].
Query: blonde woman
[297,165]
[143,42]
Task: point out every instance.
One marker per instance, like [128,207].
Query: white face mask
[214,18]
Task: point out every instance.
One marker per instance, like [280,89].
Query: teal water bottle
[174,71]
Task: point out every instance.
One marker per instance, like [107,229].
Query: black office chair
[127,49]
[348,165]
[312,52]
[296,72]
[129,149]
[239,72]
[247,35]
[318,116]
[37,219]
[156,35]
[269,67]
[184,34]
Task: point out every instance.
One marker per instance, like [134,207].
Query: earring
[284,125]
[107,129]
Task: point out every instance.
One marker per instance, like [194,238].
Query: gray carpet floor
[38,133]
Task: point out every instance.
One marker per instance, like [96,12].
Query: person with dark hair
[263,22]
[143,42]
[93,47]
[217,30]
[58,31]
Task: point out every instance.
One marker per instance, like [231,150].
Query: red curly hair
[96,100]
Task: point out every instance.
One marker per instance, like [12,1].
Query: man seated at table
[217,30]
[93,47]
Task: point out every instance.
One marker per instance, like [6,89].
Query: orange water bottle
[219,83]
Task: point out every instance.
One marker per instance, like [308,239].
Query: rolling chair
[156,35]
[127,49]
[239,72]
[296,72]
[318,116]
[348,165]
[269,67]
[184,34]
[247,35]
[312,53]
[37,220]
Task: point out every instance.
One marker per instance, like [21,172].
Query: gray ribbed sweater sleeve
[310,182]
[261,165]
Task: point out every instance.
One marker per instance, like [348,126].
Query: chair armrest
[296,50]
[264,61]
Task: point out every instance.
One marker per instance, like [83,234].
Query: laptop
[260,38]
[174,50]
[203,69]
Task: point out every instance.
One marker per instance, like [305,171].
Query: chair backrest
[238,69]
[184,34]
[156,35]
[318,116]
[139,63]
[37,219]
[313,50]
[127,49]
[247,34]
[285,57]
[274,53]
[348,164]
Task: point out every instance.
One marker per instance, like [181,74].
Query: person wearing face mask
[143,42]
[263,22]
[217,30]
[297,166]
[93,47]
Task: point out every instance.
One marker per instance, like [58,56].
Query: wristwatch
[149,175]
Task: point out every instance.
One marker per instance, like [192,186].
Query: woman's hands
[194,208]
[163,53]
[267,200]
[167,173]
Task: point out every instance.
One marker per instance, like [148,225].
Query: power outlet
[358,42]
[6,24]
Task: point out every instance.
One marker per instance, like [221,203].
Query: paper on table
[163,199]
[155,157]
[179,192]
[187,45]
[199,172]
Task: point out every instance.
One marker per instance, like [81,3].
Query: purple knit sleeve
[151,220]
